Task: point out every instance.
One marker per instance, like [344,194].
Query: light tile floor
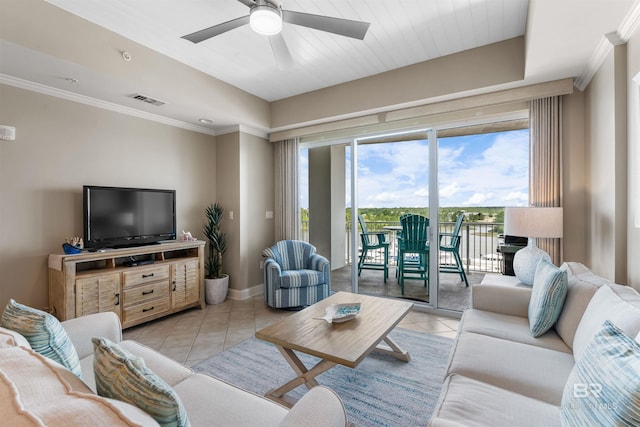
[194,335]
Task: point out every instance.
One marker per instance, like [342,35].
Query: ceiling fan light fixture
[266,20]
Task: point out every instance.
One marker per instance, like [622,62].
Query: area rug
[381,391]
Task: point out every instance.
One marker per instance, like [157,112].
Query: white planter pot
[216,289]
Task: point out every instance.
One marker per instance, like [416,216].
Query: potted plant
[216,283]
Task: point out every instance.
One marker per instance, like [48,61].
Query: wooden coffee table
[345,343]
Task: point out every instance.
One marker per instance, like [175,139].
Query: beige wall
[327,198]
[338,201]
[327,203]
[225,176]
[61,145]
[621,157]
[320,200]
[492,65]
[574,184]
[92,53]
[633,137]
[605,137]
[256,199]
[244,180]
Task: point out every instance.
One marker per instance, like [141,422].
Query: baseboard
[243,294]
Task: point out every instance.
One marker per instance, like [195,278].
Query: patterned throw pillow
[547,297]
[602,389]
[123,376]
[44,333]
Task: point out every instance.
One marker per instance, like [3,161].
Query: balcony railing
[478,247]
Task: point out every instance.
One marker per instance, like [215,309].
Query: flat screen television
[116,217]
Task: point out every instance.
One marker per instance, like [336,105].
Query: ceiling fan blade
[343,27]
[207,33]
[248,3]
[281,51]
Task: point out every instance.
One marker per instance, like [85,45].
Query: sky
[476,170]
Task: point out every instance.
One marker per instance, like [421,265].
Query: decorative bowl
[70,249]
[338,313]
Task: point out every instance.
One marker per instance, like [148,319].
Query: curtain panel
[287,226]
[545,163]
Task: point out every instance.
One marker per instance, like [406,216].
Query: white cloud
[384,197]
[479,170]
[396,170]
[500,169]
[422,192]
[478,199]
[449,190]
[517,197]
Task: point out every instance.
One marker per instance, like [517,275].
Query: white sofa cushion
[211,401]
[82,329]
[532,371]
[44,333]
[166,368]
[603,388]
[582,285]
[315,410]
[123,376]
[501,299]
[36,391]
[547,297]
[621,307]
[474,403]
[512,328]
[9,338]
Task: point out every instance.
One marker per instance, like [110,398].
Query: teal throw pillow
[603,388]
[45,334]
[547,297]
[121,375]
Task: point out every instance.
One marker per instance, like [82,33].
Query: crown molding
[627,27]
[244,129]
[630,23]
[87,100]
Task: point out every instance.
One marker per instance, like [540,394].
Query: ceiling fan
[267,16]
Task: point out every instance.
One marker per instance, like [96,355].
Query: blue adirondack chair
[413,249]
[372,241]
[450,242]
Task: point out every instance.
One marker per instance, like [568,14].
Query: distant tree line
[474,214]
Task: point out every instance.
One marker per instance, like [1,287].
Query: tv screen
[120,217]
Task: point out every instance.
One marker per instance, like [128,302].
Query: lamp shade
[533,222]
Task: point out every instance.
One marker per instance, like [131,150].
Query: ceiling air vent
[148,100]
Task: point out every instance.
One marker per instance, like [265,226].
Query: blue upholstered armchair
[294,275]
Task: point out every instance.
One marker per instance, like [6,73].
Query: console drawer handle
[117,299]
[144,276]
[144,310]
[147,292]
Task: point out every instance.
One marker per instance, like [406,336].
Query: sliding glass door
[389,179]
[478,175]
[446,175]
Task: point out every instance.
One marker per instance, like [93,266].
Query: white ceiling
[401,33]
[561,38]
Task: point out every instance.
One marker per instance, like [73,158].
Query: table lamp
[531,222]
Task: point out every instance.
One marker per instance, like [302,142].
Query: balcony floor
[454,295]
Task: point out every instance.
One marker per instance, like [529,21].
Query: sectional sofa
[582,371]
[36,391]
